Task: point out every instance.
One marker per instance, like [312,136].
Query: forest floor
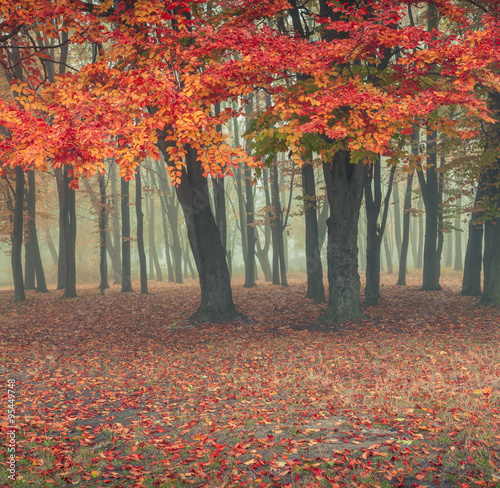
[120,390]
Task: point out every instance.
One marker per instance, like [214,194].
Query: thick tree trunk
[344,183]
[209,254]
[103,264]
[471,282]
[125,212]
[315,288]
[491,263]
[140,233]
[17,237]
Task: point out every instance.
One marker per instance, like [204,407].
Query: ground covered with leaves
[121,390]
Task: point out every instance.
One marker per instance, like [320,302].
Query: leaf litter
[122,390]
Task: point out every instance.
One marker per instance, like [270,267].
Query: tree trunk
[125,212]
[275,225]
[374,230]
[430,194]
[315,288]
[50,245]
[471,281]
[397,219]
[403,260]
[344,183]
[250,265]
[491,263]
[172,211]
[41,285]
[209,254]
[140,232]
[170,268]
[17,237]
[69,229]
[62,261]
[103,264]
[115,218]
[151,228]
[458,237]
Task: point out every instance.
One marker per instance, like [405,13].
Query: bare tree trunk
[125,212]
[140,232]
[103,264]
[17,237]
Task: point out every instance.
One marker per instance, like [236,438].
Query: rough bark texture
[125,212]
[17,237]
[344,183]
[315,288]
[209,254]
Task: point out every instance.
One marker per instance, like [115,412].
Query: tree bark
[344,183]
[103,264]
[115,218]
[250,264]
[403,260]
[458,237]
[151,230]
[430,194]
[209,254]
[69,230]
[471,281]
[17,237]
[374,230]
[41,285]
[140,233]
[125,212]
[315,288]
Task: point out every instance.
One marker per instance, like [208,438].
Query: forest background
[173,141]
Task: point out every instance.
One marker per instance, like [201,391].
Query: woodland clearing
[120,390]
